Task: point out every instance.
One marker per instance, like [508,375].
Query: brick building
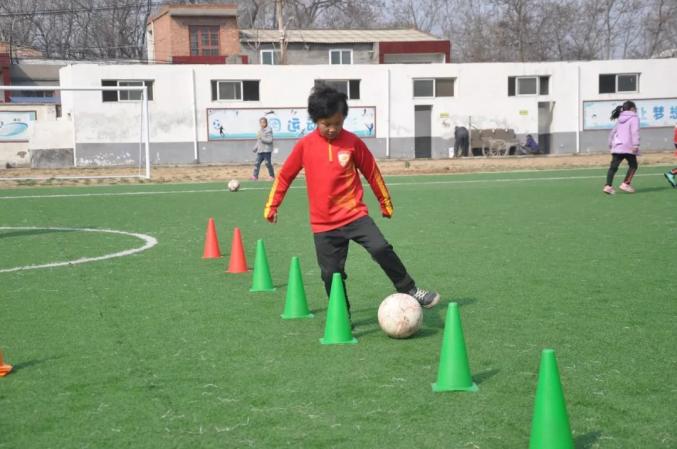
[209,34]
[194,34]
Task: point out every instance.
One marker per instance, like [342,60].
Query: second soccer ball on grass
[233,185]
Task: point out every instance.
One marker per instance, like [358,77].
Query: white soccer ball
[400,315]
[233,185]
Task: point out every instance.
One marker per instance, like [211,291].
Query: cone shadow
[358,332]
[587,440]
[29,363]
[480,378]
[29,232]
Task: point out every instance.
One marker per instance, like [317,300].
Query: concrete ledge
[57,158]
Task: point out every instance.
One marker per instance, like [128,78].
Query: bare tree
[355,14]
[480,30]
[423,15]
[660,28]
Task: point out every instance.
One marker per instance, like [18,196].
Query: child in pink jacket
[623,144]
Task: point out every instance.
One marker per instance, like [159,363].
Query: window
[349,87]
[623,82]
[268,57]
[204,40]
[340,56]
[247,90]
[434,87]
[34,93]
[34,96]
[528,85]
[126,95]
[444,87]
[424,88]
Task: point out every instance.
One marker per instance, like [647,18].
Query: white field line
[149,242]
[413,183]
[80,195]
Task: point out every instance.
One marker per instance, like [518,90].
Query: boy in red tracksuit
[333,158]
[671,175]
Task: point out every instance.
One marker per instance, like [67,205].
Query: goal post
[80,132]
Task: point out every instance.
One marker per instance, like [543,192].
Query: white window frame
[627,91]
[538,86]
[128,93]
[347,81]
[272,52]
[340,51]
[218,90]
[413,91]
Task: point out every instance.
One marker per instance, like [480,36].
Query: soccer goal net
[53,132]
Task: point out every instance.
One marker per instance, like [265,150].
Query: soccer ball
[233,185]
[400,315]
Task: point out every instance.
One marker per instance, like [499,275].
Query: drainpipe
[578,108]
[388,110]
[196,156]
[146,128]
[75,142]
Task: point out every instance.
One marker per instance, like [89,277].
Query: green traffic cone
[261,282]
[337,329]
[550,424]
[296,305]
[454,372]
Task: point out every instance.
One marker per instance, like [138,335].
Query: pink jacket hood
[624,137]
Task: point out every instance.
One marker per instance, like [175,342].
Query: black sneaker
[424,297]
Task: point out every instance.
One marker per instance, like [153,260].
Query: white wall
[17,153]
[96,121]
[481,93]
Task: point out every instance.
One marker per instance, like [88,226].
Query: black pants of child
[332,250]
[616,159]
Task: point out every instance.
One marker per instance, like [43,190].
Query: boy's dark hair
[325,101]
[624,107]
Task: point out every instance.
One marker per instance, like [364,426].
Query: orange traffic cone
[4,369]
[212,250]
[238,261]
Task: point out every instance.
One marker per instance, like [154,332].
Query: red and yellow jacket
[332,180]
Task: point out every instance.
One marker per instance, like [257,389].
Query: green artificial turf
[163,349]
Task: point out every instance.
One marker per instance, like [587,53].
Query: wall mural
[655,113]
[287,123]
[15,125]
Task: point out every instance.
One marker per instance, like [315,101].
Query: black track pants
[332,250]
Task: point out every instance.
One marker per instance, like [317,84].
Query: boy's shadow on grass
[587,440]
[433,322]
[367,325]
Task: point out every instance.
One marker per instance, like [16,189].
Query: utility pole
[279,8]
